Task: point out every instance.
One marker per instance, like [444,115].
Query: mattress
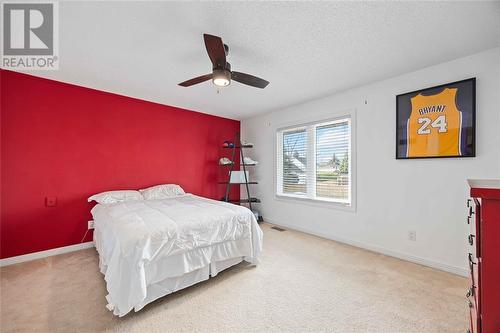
[144,243]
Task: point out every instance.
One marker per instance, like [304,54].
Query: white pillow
[110,197]
[162,191]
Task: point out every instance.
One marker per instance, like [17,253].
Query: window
[314,161]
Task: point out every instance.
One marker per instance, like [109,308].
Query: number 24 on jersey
[427,124]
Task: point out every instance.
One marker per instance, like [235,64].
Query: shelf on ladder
[237,147]
[232,183]
[240,165]
[252,200]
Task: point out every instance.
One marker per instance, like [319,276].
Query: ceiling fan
[221,70]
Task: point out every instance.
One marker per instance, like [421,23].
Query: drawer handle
[468,219]
[471,239]
[468,202]
[470,292]
[471,262]
[469,303]
[470,211]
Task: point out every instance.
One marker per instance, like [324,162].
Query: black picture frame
[465,102]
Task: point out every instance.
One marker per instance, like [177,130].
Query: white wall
[393,196]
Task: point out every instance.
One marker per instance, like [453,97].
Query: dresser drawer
[474,221]
[474,290]
[475,318]
[472,294]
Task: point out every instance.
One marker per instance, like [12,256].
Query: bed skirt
[166,275]
[170,285]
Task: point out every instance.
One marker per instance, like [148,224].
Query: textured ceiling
[305,49]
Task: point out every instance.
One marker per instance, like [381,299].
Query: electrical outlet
[51,201]
[91,225]
[412,235]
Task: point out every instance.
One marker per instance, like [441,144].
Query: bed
[151,248]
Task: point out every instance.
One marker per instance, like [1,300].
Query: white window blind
[314,161]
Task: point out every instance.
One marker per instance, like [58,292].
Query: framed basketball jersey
[437,122]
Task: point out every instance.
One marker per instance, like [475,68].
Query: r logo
[28,29]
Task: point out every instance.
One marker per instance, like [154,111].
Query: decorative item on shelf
[246,144]
[239,177]
[225,161]
[249,161]
[257,215]
[228,144]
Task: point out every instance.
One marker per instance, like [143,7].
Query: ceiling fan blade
[249,80]
[196,80]
[215,49]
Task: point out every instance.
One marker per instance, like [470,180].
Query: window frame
[316,122]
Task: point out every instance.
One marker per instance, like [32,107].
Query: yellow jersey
[434,126]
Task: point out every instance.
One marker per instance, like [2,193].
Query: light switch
[51,201]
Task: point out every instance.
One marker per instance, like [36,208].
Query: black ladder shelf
[249,200]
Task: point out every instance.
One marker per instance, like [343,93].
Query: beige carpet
[304,284]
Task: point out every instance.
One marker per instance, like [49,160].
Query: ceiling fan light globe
[221,82]
[221,78]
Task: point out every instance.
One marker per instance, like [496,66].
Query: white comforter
[143,242]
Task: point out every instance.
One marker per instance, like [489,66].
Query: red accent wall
[65,141]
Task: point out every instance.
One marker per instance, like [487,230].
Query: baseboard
[404,256]
[400,255]
[44,254]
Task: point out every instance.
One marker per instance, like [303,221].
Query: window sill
[316,202]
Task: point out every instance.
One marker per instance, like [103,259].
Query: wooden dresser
[483,295]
